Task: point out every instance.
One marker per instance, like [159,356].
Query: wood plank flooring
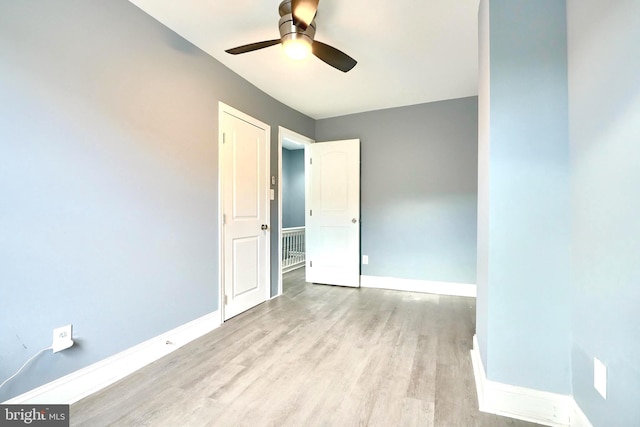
[316,356]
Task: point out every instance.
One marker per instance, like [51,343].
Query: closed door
[245,203]
[333,213]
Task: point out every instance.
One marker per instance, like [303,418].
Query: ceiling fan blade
[304,11]
[252,46]
[332,56]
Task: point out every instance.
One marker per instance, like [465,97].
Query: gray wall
[604,107]
[544,315]
[418,188]
[108,177]
[292,188]
[524,291]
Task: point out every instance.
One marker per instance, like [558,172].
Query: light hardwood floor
[316,356]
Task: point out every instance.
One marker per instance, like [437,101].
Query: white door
[333,213]
[245,207]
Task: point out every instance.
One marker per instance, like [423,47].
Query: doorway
[297,143]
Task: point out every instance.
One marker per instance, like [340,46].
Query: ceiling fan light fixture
[296,48]
[296,41]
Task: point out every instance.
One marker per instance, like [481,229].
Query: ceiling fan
[297,29]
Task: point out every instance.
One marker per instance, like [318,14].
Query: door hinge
[224,137]
[310,212]
[310,160]
[310,263]
[225,299]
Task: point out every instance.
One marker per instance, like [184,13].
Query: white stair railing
[292,248]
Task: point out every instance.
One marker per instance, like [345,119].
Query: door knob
[264,226]
[354,220]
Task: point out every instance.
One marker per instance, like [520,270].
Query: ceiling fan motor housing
[285,8]
[289,31]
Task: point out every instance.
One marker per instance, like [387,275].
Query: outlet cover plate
[62,338]
[600,377]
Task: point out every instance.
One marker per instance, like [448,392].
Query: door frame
[222,109]
[284,133]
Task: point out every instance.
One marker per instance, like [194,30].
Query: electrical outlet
[600,377]
[62,338]
[365,259]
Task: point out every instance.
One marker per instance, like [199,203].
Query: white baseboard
[85,381]
[413,285]
[578,418]
[550,409]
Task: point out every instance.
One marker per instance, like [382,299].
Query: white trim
[95,377]
[522,403]
[279,189]
[282,134]
[413,285]
[222,109]
[578,418]
[478,374]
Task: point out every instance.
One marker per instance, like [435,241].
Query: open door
[333,213]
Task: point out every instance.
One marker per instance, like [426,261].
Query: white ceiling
[408,52]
